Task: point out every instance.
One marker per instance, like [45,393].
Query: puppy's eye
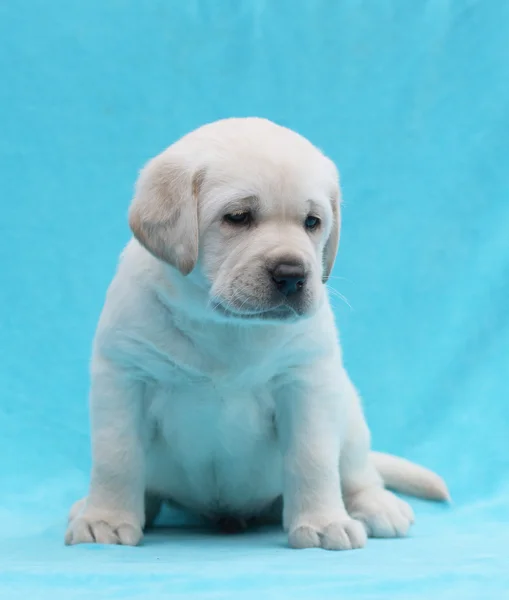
[311,223]
[239,217]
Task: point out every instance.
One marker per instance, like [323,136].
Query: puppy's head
[249,210]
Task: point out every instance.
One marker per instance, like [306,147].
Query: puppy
[217,380]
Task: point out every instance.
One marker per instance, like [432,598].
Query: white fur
[209,388]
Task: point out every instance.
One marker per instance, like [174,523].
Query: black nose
[289,279]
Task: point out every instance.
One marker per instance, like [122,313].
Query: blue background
[411,99]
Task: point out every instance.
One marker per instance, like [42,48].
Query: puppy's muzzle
[289,278]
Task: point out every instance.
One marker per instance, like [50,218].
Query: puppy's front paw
[383,514]
[94,526]
[330,534]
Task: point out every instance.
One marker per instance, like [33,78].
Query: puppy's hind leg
[382,513]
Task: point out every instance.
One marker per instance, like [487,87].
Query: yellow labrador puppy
[217,376]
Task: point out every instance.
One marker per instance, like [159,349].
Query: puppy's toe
[76,509]
[304,537]
[341,534]
[79,531]
[345,535]
[128,535]
[383,514]
[100,527]
[103,533]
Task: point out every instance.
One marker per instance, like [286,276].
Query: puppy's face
[264,225]
[248,209]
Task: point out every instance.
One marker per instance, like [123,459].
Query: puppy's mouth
[282,312]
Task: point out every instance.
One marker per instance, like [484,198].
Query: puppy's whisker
[230,303]
[235,298]
[333,292]
[335,304]
[241,307]
[339,295]
[221,298]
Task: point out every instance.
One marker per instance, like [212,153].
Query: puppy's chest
[204,405]
[222,385]
[205,424]
[224,408]
[219,361]
[213,434]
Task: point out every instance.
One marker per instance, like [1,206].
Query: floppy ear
[164,213]
[331,246]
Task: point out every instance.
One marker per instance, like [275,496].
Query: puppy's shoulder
[131,305]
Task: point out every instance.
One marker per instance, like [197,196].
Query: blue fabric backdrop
[412,101]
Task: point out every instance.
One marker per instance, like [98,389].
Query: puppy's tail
[406,477]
